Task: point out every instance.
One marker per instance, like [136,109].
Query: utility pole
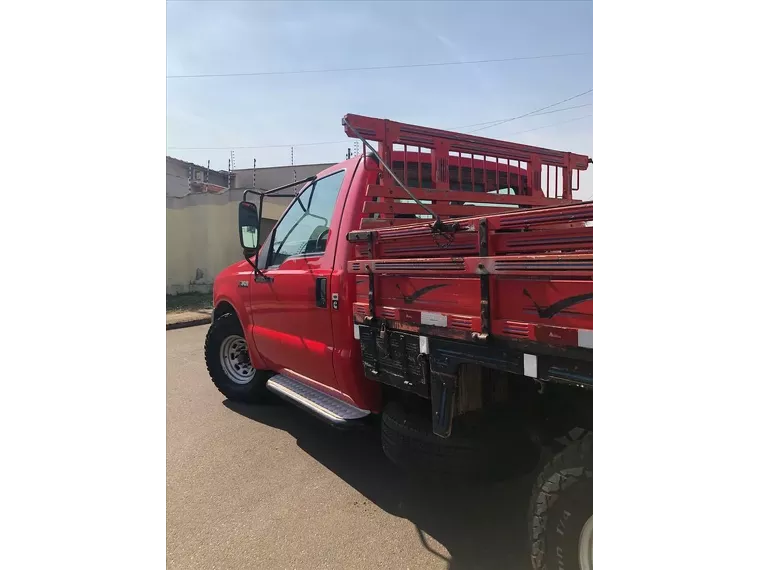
[231,167]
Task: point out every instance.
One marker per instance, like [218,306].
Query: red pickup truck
[443,281]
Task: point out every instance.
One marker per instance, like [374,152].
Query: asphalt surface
[273,487]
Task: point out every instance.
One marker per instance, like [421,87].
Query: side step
[324,406]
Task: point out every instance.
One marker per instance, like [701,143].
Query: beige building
[201,226]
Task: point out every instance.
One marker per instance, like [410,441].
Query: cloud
[448,43]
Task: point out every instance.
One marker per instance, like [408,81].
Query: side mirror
[249,225]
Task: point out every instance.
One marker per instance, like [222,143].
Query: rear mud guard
[443,388]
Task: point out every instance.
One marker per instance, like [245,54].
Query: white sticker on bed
[434,319]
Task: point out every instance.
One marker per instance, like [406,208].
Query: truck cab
[295,308]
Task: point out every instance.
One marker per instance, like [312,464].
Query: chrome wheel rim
[586,545]
[235,360]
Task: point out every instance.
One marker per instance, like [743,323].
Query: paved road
[272,487]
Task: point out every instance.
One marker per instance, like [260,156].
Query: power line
[343,141]
[373,68]
[551,125]
[497,121]
[533,114]
[536,111]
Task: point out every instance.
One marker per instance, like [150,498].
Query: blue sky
[229,37]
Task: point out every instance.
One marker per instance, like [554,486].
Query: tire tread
[252,393]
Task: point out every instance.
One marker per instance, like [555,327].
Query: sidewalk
[188,310]
[181,319]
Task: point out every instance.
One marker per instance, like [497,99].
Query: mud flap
[443,387]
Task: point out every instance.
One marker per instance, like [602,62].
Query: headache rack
[458,175]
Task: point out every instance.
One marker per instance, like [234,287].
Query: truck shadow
[481,526]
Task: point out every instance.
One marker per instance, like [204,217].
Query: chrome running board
[323,405]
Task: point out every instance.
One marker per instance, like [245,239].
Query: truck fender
[225,305]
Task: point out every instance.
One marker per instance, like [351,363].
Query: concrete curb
[185,324]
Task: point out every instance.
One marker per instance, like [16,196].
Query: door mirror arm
[260,275]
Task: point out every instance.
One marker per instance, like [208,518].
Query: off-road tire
[562,501]
[409,442]
[253,392]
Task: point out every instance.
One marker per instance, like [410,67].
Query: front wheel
[561,511]
[228,362]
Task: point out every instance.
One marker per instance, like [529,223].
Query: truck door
[292,328]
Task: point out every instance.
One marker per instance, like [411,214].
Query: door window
[304,228]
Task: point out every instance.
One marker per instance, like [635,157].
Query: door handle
[321,291]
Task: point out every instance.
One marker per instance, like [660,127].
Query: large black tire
[474,452]
[252,392]
[562,502]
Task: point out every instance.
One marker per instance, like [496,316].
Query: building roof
[224,172]
[322,164]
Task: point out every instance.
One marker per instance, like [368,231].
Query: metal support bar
[485,303]
[371,292]
[268,192]
[484,279]
[483,235]
[372,255]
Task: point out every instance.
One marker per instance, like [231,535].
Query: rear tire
[409,442]
[561,510]
[228,362]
